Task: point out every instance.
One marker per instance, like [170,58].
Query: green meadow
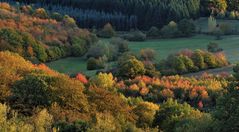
[163,48]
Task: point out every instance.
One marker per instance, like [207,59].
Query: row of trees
[192,61]
[124,14]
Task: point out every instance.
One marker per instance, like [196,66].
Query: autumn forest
[119,66]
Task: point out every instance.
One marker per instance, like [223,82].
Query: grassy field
[71,65]
[163,48]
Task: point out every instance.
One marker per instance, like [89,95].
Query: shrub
[5,6]
[153,32]
[27,9]
[226,110]
[213,47]
[150,69]
[40,52]
[147,54]
[93,64]
[82,78]
[43,121]
[212,24]
[178,64]
[103,80]
[75,126]
[78,50]
[11,36]
[131,68]
[172,114]
[135,36]
[188,63]
[121,44]
[221,59]
[107,31]
[236,71]
[186,27]
[232,15]
[191,61]
[68,93]
[145,112]
[57,16]
[13,123]
[103,49]
[198,59]
[32,90]
[41,13]
[105,122]
[126,56]
[69,21]
[210,60]
[170,30]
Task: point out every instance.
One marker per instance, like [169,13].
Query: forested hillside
[124,14]
[131,89]
[39,36]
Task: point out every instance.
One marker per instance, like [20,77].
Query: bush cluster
[192,61]
[136,35]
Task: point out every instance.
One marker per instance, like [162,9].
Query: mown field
[163,48]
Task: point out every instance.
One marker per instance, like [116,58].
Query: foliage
[212,23]
[227,110]
[42,121]
[103,100]
[153,32]
[93,64]
[131,68]
[81,78]
[32,90]
[135,36]
[41,13]
[236,71]
[198,59]
[213,47]
[186,27]
[220,5]
[172,114]
[124,15]
[69,21]
[145,112]
[76,126]
[121,44]
[147,54]
[107,31]
[35,36]
[103,50]
[79,47]
[191,90]
[192,61]
[103,80]
[170,30]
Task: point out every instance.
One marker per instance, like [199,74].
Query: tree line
[144,13]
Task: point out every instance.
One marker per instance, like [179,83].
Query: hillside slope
[39,36]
